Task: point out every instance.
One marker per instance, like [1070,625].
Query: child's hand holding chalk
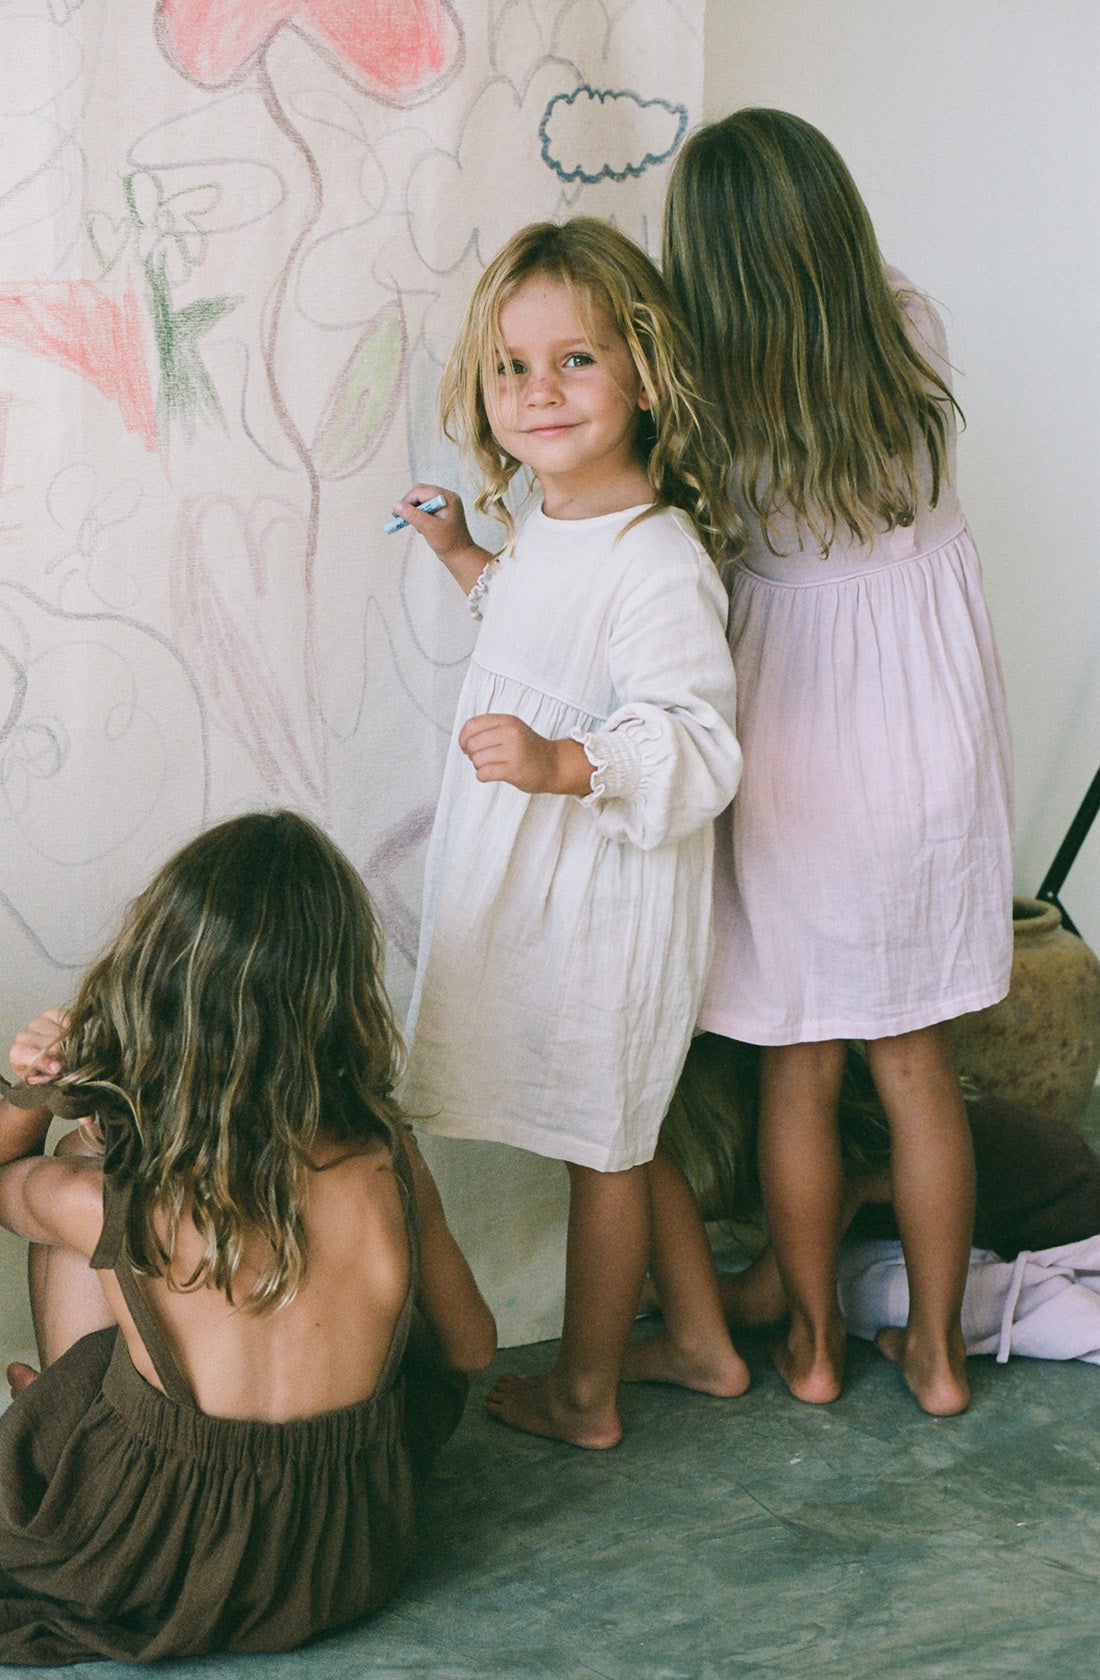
[431,506]
[445,530]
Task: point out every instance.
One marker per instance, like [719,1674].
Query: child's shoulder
[662,544]
[926,328]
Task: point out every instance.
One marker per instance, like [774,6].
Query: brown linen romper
[133,1526]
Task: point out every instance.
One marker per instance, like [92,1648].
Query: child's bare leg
[66,1299]
[932,1170]
[607,1251]
[754,1298]
[694,1348]
[802,1180]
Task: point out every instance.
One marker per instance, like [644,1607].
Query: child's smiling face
[568,400]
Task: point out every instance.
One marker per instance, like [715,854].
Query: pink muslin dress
[863,882]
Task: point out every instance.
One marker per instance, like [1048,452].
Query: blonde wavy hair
[824,402]
[678,440]
[710,1129]
[239,1014]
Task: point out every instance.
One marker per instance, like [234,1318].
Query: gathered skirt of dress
[133,1525]
[863,882]
[554,1005]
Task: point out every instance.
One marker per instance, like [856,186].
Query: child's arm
[446,533]
[33,1056]
[503,748]
[500,747]
[450,1297]
[34,1059]
[45,1199]
[667,759]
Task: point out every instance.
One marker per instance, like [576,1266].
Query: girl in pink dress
[863,884]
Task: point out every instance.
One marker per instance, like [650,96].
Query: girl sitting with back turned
[863,886]
[567,899]
[253,1321]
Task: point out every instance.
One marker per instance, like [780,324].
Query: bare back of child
[324,1350]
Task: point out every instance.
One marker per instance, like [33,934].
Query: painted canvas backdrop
[235,240]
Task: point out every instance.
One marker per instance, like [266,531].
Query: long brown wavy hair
[239,1015]
[679,441]
[771,256]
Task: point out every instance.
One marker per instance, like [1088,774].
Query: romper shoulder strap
[116,1202]
[403,1169]
[110,1255]
[396,1353]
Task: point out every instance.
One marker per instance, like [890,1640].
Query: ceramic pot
[1041,1046]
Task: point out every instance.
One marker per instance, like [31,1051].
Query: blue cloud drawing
[595,134]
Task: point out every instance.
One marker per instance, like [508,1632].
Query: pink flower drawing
[78,326]
[397,50]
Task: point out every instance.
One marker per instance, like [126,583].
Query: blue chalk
[398,524]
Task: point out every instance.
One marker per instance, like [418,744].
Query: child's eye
[512,367]
[579,358]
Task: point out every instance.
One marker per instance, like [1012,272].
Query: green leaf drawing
[108,238]
[360,405]
[185,386]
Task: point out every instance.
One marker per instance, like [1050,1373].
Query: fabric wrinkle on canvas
[564,941]
[134,1526]
[863,887]
[1045,1304]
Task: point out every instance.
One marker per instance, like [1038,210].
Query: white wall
[973,132]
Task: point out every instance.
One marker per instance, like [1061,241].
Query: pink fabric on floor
[1045,1304]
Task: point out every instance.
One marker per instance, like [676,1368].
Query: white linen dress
[564,941]
[863,887]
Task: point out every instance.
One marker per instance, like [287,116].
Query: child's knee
[813,1065]
[926,1053]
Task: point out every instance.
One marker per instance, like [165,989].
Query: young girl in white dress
[864,883]
[566,919]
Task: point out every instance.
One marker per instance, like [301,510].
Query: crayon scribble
[163,232]
[94,569]
[9,529]
[397,53]
[229,576]
[361,402]
[596,134]
[78,326]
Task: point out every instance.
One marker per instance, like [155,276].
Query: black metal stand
[1068,850]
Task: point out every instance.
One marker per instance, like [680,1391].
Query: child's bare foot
[539,1405]
[719,1371]
[937,1380]
[20,1376]
[813,1370]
